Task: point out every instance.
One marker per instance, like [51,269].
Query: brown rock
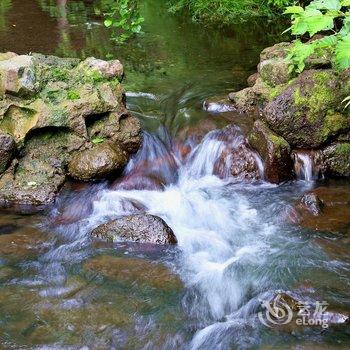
[7,149]
[97,162]
[140,228]
[274,150]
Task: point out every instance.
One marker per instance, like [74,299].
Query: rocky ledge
[293,113]
[60,118]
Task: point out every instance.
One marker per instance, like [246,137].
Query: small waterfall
[304,166]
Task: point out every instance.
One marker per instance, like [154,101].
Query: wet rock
[218,105]
[40,173]
[97,162]
[336,159]
[120,128]
[279,50]
[243,163]
[305,112]
[252,79]
[17,76]
[106,69]
[274,71]
[140,228]
[7,150]
[274,150]
[141,273]
[312,203]
[237,158]
[325,209]
[249,99]
[244,100]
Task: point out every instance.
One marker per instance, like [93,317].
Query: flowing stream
[237,244]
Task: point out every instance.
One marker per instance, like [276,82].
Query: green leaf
[325,5]
[108,22]
[294,10]
[342,53]
[345,3]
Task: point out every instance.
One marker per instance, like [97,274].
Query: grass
[226,12]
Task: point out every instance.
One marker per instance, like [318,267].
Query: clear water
[61,290]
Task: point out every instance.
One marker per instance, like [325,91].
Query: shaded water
[236,245]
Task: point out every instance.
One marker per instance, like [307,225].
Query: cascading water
[231,249]
[304,166]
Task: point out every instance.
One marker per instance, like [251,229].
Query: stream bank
[240,240]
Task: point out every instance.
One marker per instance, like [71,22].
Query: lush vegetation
[331,18]
[123,17]
[229,11]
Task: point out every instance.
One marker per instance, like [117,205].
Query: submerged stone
[140,228]
[325,209]
[132,271]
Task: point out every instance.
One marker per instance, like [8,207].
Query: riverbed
[237,241]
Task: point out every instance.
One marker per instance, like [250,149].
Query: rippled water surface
[237,244]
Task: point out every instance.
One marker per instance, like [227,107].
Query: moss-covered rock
[307,113]
[336,159]
[274,150]
[275,71]
[53,107]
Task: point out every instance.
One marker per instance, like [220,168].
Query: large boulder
[98,162]
[55,109]
[7,149]
[308,113]
[274,150]
[141,228]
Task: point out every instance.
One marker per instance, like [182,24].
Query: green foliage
[72,95]
[124,19]
[228,11]
[331,18]
[97,139]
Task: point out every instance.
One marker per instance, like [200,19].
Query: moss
[320,98]
[343,149]
[274,92]
[60,74]
[280,142]
[333,123]
[72,95]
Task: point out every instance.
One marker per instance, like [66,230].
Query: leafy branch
[331,18]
